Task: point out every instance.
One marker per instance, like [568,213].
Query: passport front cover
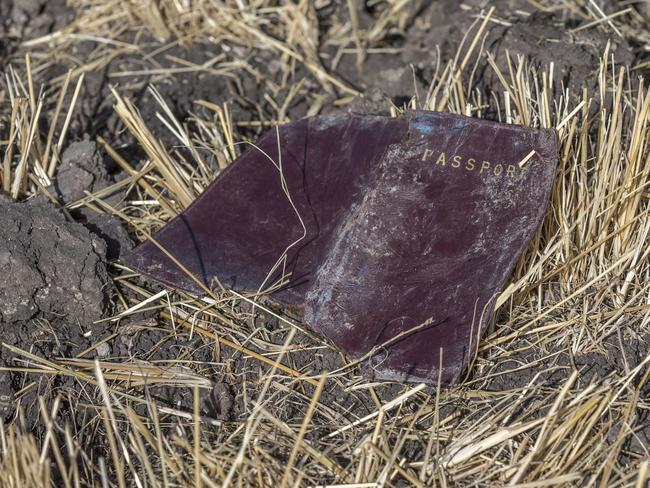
[395,234]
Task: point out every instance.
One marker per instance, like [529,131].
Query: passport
[392,236]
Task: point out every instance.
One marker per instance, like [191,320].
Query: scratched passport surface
[395,235]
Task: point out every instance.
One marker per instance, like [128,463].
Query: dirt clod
[219,402]
[110,229]
[81,169]
[49,268]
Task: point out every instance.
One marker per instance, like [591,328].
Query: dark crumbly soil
[53,283]
[28,19]
[51,268]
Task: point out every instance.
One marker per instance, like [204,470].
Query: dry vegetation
[580,297]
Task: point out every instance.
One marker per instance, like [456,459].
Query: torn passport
[393,236]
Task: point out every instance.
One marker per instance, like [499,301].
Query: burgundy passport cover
[411,228]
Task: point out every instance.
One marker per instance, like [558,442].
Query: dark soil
[51,268]
[53,283]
